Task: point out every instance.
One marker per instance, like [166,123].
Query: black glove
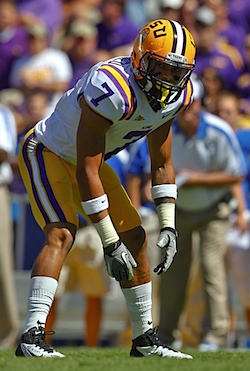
[119,261]
[167,242]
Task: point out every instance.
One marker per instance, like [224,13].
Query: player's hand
[167,242]
[119,261]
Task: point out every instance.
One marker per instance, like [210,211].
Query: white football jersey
[111,90]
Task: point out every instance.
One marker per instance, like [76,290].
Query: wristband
[96,205]
[166,214]
[164,190]
[106,231]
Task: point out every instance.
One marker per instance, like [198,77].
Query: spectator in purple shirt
[228,31]
[115,31]
[239,13]
[13,40]
[243,82]
[49,12]
[80,43]
[213,53]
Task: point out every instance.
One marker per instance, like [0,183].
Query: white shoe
[149,344]
[33,344]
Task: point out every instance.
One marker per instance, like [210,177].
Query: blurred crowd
[46,46]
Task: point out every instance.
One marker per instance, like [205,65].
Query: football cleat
[149,344]
[33,344]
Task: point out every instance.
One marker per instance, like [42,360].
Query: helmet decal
[179,41]
[160,31]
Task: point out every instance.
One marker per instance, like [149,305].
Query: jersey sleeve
[229,154]
[108,92]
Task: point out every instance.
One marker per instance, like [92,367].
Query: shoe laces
[40,337]
[155,339]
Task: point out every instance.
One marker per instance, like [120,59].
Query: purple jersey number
[103,96]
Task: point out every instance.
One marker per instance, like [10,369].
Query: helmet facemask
[162,90]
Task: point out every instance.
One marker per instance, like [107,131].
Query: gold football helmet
[163,58]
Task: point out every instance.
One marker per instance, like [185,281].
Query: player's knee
[66,237]
[61,238]
[135,238]
[140,235]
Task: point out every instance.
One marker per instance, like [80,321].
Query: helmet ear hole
[144,64]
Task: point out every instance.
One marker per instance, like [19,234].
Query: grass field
[117,359]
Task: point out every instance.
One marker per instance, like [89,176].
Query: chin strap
[165,94]
[153,94]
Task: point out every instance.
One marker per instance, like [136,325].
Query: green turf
[117,359]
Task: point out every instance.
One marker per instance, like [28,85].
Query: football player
[62,162]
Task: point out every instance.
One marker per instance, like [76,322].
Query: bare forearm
[91,187]
[163,175]
[211,179]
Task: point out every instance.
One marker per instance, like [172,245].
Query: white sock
[139,304]
[41,295]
